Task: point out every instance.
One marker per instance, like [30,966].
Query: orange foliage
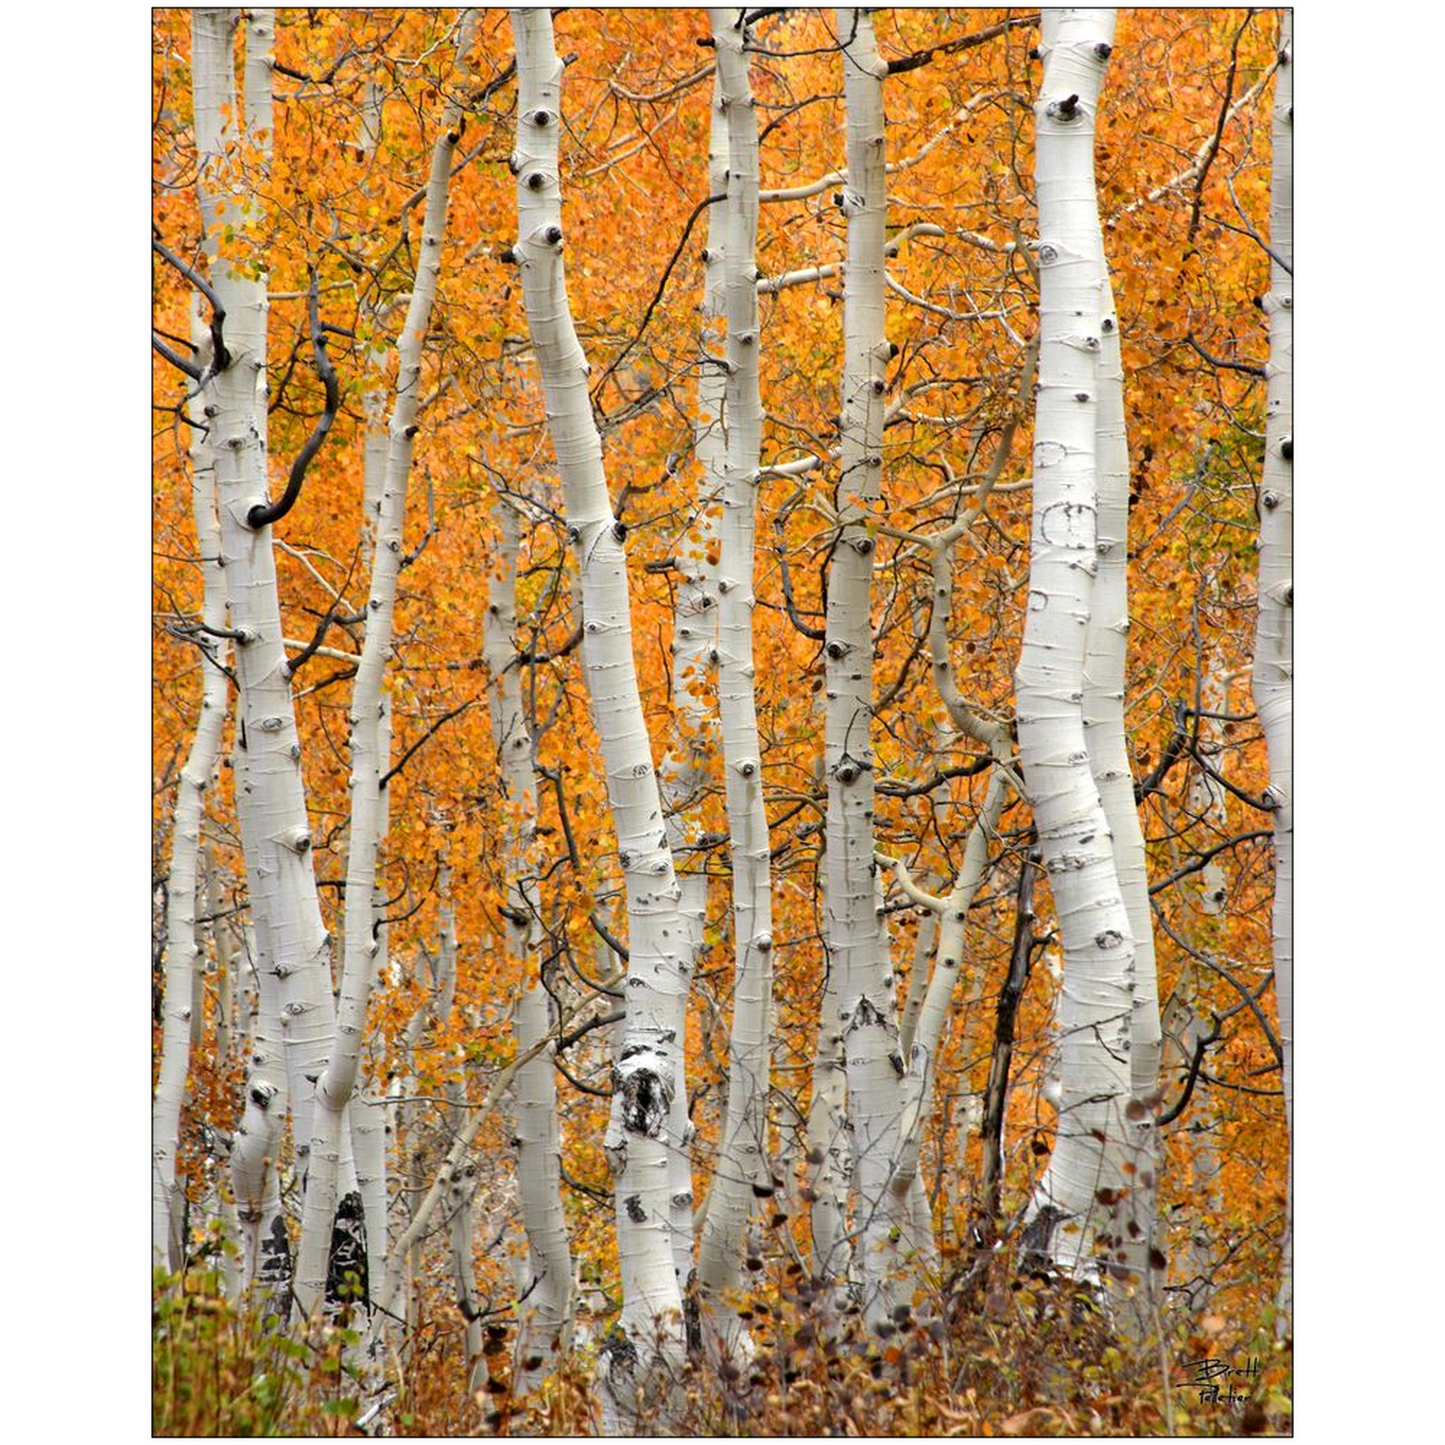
[635,155]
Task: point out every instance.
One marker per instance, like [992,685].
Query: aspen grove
[723,806]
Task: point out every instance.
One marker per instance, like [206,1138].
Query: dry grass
[1008,1356]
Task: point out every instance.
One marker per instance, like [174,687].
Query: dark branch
[406,757]
[960,42]
[1213,149]
[220,358]
[912,790]
[179,362]
[1219,361]
[267,514]
[1203,858]
[657,295]
[1199,1048]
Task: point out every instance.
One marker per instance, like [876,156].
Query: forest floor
[1008,1356]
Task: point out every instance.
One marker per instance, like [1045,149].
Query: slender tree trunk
[1073,1215]
[280,867]
[1274,635]
[852,936]
[743,1172]
[182,1000]
[1104,677]
[546,1296]
[651,1324]
[694,651]
[256,1150]
[462,1192]
[337,1083]
[995,1099]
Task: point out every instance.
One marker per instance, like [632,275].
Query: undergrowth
[1004,1356]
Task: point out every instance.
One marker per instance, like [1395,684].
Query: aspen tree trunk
[256,1150]
[546,1297]
[462,1191]
[1072,1213]
[182,944]
[646,1073]
[226,991]
[337,1083]
[1106,650]
[1274,633]
[694,649]
[743,1172]
[922,1041]
[952,915]
[279,865]
[854,944]
[229,1039]
[367,1112]
[1183,1025]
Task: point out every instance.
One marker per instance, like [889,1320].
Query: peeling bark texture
[743,1172]
[646,1071]
[545,1294]
[1072,1219]
[852,936]
[338,1081]
[1274,634]
[184,1002]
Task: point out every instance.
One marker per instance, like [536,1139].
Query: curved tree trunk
[1105,660]
[279,866]
[652,1344]
[1073,1215]
[182,944]
[337,1083]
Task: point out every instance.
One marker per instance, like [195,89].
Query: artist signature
[1215,1380]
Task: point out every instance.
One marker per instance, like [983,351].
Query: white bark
[854,944]
[279,862]
[922,1040]
[743,1172]
[647,1070]
[694,649]
[546,1296]
[1105,658]
[1072,1213]
[1274,634]
[182,998]
[256,1149]
[336,1085]
[462,1192]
